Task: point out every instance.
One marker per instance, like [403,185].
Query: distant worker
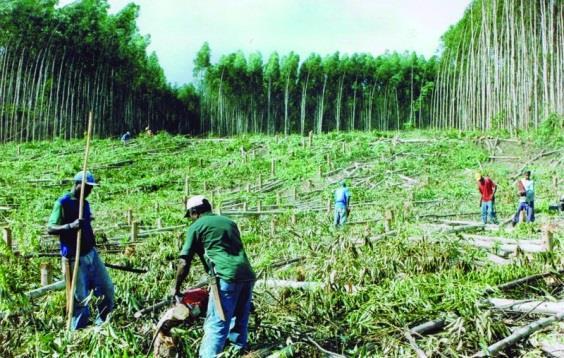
[342,204]
[92,274]
[526,191]
[148,131]
[125,137]
[217,241]
[487,189]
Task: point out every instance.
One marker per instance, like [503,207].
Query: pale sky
[178,28]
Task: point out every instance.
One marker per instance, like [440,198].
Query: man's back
[342,196]
[221,241]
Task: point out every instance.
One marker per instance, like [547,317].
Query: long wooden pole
[80,216]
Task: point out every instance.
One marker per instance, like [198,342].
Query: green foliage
[552,129]
[401,282]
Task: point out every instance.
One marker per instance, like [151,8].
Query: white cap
[195,201]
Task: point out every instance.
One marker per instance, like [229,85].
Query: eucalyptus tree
[289,74]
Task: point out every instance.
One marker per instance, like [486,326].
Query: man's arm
[185,260]
[55,225]
[182,271]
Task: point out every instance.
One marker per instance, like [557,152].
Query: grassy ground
[400,282]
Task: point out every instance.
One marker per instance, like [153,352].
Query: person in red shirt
[487,189]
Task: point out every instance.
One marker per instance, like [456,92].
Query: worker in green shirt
[217,242]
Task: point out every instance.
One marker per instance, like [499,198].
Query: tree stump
[310,139]
[7,234]
[273,167]
[134,230]
[293,219]
[548,236]
[388,220]
[45,274]
[272,228]
[129,216]
[186,185]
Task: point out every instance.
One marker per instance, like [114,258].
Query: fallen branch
[464,228]
[413,344]
[449,215]
[520,334]
[527,306]
[329,353]
[428,327]
[42,291]
[521,281]
[509,247]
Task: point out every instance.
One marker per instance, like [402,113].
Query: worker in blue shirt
[342,204]
[126,137]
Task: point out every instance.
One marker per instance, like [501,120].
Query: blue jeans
[529,209]
[340,216]
[236,300]
[488,209]
[92,275]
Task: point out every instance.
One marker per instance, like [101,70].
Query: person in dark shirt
[92,274]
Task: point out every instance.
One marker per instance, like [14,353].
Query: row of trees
[56,64]
[502,66]
[282,94]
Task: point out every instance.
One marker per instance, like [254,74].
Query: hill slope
[374,284]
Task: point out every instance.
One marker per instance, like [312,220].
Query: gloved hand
[177,297]
[77,224]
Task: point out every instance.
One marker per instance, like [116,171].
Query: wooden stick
[125,268]
[80,216]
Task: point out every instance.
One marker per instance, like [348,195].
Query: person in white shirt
[526,189]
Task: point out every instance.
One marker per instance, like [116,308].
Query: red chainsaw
[185,311]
